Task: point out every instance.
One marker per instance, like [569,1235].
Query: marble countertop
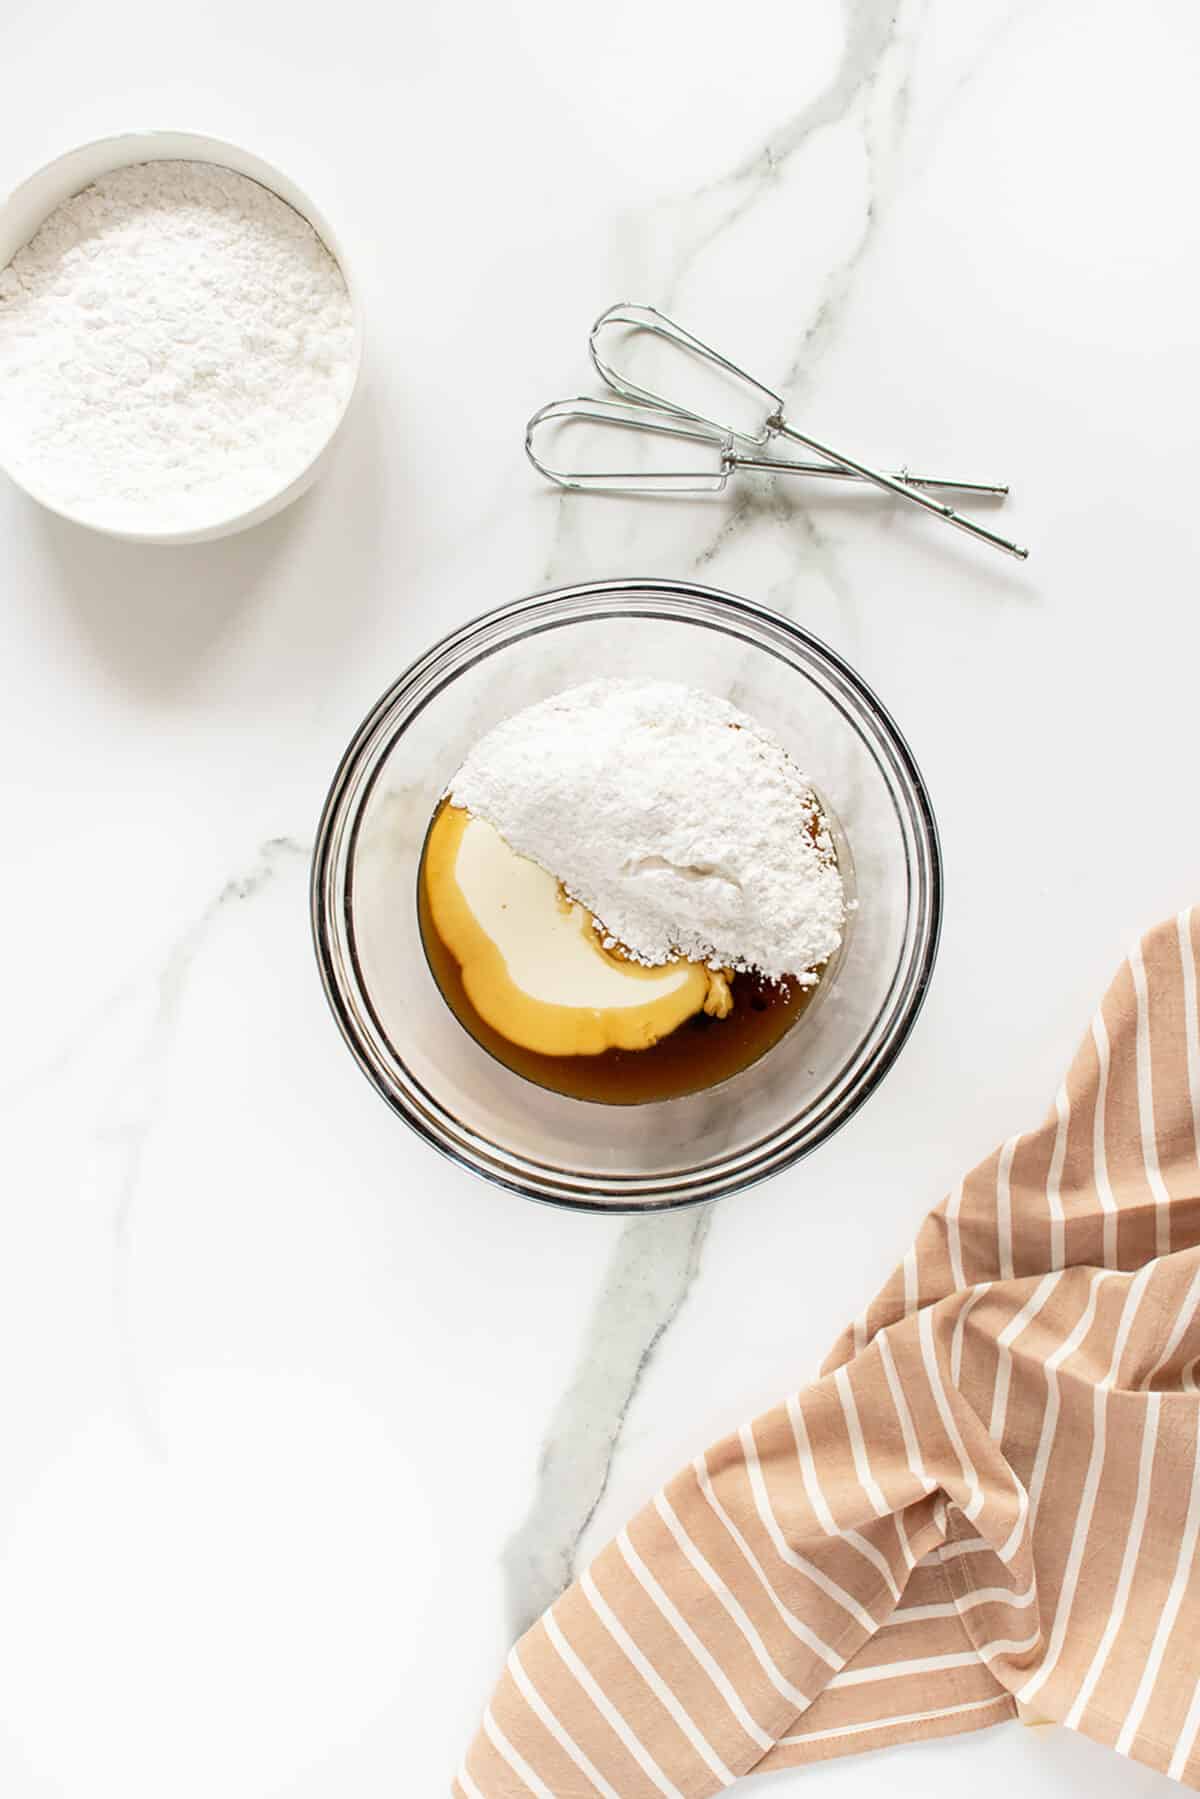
[298,1424]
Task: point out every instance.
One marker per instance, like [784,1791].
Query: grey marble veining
[869,31]
[115,1170]
[653,1267]
[884,64]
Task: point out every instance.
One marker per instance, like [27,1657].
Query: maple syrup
[699,1053]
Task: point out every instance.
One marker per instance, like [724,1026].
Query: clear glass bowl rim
[674,601]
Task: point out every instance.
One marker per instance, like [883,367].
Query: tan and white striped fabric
[991,1496]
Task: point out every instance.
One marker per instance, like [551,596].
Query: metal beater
[657,421]
[648,411]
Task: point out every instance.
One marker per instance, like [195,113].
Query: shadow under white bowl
[29,206]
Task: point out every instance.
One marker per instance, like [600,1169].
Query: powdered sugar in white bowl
[178,341]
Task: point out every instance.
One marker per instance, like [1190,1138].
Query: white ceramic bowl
[28,207]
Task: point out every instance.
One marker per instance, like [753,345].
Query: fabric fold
[990,1497]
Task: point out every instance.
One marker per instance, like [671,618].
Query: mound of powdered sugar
[679,822]
[176,344]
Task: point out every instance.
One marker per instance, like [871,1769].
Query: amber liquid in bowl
[700,1053]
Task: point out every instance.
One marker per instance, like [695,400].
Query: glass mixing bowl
[364,898]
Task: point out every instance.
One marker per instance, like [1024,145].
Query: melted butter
[531,963]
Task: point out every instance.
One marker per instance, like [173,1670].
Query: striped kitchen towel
[992,1496]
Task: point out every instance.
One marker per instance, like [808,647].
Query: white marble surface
[297,1423]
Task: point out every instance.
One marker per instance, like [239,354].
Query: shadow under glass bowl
[413,1049]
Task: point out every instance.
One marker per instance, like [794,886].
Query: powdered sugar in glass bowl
[179,341]
[364,898]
